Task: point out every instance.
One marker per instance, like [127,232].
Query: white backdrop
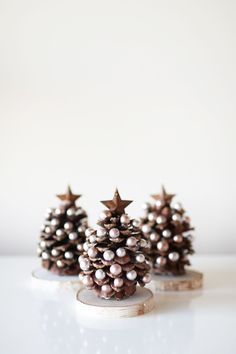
[117,93]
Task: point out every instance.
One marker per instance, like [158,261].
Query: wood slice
[138,304]
[191,280]
[44,279]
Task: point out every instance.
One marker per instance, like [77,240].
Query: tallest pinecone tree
[62,236]
[167,227]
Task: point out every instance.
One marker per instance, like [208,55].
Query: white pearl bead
[42,244]
[39,251]
[100,274]
[81,228]
[178,238]
[101,232]
[48,229]
[166,233]
[131,241]
[55,222]
[68,255]
[68,226]
[161,261]
[70,211]
[177,206]
[73,236]
[85,264]
[89,232]
[45,255]
[158,203]
[137,223]
[49,210]
[92,252]
[80,247]
[154,237]
[143,243]
[176,217]
[145,206]
[121,252]
[92,239]
[108,255]
[115,269]
[131,275]
[140,258]
[59,211]
[152,216]
[114,233]
[60,233]
[146,229]
[87,280]
[173,256]
[86,246]
[161,219]
[80,258]
[106,288]
[124,219]
[105,214]
[118,282]
[60,263]
[55,252]
[147,278]
[162,246]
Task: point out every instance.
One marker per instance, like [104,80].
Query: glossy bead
[124,219]
[147,278]
[161,261]
[100,274]
[60,233]
[108,255]
[43,244]
[131,241]
[80,258]
[173,256]
[161,219]
[152,216]
[73,236]
[115,269]
[176,217]
[166,233]
[118,282]
[162,246]
[89,232]
[114,233]
[80,247]
[145,206]
[136,223]
[177,206]
[70,211]
[55,252]
[92,239]
[120,252]
[45,255]
[68,255]
[143,243]
[59,263]
[154,237]
[55,222]
[101,232]
[68,226]
[87,280]
[86,246]
[105,214]
[84,264]
[146,229]
[48,229]
[178,238]
[158,203]
[81,228]
[131,275]
[92,252]
[140,258]
[106,288]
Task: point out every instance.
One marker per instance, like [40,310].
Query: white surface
[191,322]
[117,93]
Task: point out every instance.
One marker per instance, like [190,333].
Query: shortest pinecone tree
[113,264]
[62,236]
[168,229]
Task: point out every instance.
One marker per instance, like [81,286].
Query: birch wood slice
[45,279]
[138,304]
[190,281]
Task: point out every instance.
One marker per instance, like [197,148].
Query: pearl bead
[147,278]
[108,255]
[115,269]
[68,255]
[118,282]
[131,241]
[131,275]
[80,258]
[173,256]
[146,229]
[70,211]
[158,203]
[87,280]
[86,246]
[80,247]
[100,274]
[84,264]
[114,233]
[143,243]
[106,288]
[60,263]
[105,214]
[55,222]
[92,252]
[152,216]
[166,233]
[45,255]
[121,252]
[162,246]
[177,206]
[42,244]
[140,258]
[59,211]
[161,261]
[73,236]
[81,228]
[101,232]
[124,219]
[178,238]
[55,252]
[60,233]
[48,229]
[176,217]
[49,210]
[68,226]
[39,251]
[154,237]
[145,206]
[92,239]
[161,219]
[89,232]
[136,223]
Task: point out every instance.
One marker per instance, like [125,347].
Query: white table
[34,321]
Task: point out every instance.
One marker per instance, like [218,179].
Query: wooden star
[163,196]
[68,196]
[116,205]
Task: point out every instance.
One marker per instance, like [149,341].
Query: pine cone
[62,237]
[112,263]
[168,229]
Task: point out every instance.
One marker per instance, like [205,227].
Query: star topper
[116,204]
[163,196]
[68,196]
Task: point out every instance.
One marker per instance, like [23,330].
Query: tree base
[46,279]
[191,280]
[138,304]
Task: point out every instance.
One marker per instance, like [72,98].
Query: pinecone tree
[112,264]
[62,236]
[167,227]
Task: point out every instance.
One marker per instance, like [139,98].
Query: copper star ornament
[68,196]
[116,205]
[163,196]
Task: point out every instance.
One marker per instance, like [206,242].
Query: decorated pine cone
[62,236]
[113,263]
[168,229]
